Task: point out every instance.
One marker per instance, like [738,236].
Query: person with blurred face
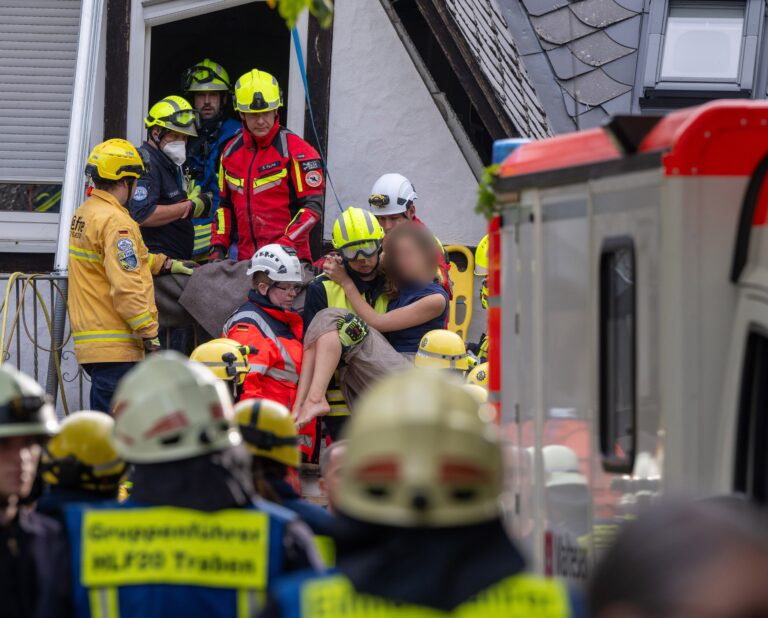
[208,88]
[357,238]
[331,462]
[707,559]
[34,569]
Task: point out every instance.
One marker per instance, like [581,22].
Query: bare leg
[327,357]
[307,370]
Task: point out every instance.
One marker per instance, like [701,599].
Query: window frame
[656,90]
[610,462]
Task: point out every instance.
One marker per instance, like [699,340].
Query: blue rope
[303,70]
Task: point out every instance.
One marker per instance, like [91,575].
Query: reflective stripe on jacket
[111,294]
[276,336]
[271,192]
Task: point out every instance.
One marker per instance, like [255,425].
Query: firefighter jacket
[271,192]
[203,160]
[275,334]
[111,294]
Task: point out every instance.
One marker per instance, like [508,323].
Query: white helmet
[391,195]
[168,409]
[25,409]
[280,263]
[561,466]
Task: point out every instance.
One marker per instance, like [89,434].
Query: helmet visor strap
[355,251]
[265,439]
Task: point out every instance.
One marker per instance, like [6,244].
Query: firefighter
[111,296]
[357,238]
[442,349]
[422,529]
[207,84]
[270,435]
[393,201]
[227,359]
[33,558]
[190,541]
[164,205]
[272,181]
[80,464]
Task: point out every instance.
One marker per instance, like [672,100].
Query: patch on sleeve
[126,254]
[123,232]
[314,178]
[308,166]
[140,194]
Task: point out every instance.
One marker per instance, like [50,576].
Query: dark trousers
[104,379]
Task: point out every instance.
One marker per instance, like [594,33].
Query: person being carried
[371,344]
[357,237]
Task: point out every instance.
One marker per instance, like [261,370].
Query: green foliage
[486,196]
[291,9]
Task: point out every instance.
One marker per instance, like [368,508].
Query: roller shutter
[38,47]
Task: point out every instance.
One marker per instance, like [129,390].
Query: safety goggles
[201,74]
[183,119]
[361,249]
[265,440]
[23,409]
[379,200]
[296,289]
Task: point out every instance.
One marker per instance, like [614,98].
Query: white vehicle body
[629,322]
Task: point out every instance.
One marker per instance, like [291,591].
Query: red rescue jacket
[272,191]
[275,366]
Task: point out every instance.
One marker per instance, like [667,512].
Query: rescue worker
[80,464]
[272,181]
[270,435]
[442,349]
[162,204]
[357,238]
[190,541]
[111,295]
[227,360]
[34,570]
[393,201]
[268,324]
[420,508]
[207,84]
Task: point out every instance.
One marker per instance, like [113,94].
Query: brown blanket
[213,292]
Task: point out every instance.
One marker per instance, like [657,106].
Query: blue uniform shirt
[407,340]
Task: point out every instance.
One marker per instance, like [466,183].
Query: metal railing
[27,341]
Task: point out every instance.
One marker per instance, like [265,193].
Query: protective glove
[217,254]
[151,344]
[201,202]
[352,331]
[178,267]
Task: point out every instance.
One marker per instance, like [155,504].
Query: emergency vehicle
[628,322]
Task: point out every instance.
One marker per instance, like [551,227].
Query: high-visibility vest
[334,596]
[161,562]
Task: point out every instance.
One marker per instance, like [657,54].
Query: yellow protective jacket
[111,294]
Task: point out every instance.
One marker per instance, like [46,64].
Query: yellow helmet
[268,430]
[479,375]
[115,159]
[442,349]
[169,408]
[419,454]
[357,232]
[25,409]
[206,76]
[481,257]
[257,91]
[82,456]
[226,358]
[175,114]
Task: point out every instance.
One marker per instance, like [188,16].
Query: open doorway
[241,38]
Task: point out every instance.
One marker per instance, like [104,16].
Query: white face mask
[176,151]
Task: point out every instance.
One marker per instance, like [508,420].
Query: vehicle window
[752,432]
[617,351]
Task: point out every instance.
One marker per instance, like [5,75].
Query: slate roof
[582,55]
[487,34]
